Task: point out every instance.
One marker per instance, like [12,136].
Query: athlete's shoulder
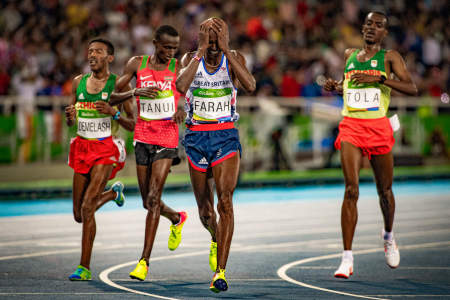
[188,55]
[186,58]
[348,52]
[392,54]
[76,80]
[135,60]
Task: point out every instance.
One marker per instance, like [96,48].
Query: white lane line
[406,295]
[174,280]
[233,247]
[61,293]
[45,253]
[104,274]
[283,269]
[402,268]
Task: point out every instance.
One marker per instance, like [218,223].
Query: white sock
[347,254]
[388,236]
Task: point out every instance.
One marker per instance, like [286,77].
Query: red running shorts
[372,136]
[84,154]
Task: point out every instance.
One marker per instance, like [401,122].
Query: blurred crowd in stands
[286,43]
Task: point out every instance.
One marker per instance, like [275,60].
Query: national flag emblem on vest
[81,97]
[374,63]
[104,95]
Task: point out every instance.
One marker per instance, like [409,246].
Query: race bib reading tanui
[160,108]
[364,99]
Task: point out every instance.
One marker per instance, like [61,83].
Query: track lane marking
[281,272]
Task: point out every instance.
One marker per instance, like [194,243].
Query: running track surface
[286,245]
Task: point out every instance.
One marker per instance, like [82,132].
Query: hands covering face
[221,29]
[203,34]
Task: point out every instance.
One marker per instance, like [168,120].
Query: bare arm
[188,66]
[127,122]
[405,83]
[333,85]
[239,69]
[70,109]
[235,59]
[124,80]
[190,61]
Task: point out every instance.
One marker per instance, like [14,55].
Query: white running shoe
[391,253]
[345,270]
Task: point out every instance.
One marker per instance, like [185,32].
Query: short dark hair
[381,14]
[109,45]
[165,29]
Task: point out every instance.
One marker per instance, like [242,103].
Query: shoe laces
[174,230]
[389,246]
[79,271]
[214,248]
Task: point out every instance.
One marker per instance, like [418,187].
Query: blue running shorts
[206,149]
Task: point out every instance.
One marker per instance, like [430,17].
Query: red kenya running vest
[154,123]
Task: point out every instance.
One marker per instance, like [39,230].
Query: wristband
[116,116]
[133,91]
[382,79]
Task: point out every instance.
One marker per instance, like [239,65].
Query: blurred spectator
[287,44]
[4,81]
[289,85]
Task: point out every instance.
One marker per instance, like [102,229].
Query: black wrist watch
[382,79]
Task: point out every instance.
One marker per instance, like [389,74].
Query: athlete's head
[213,48]
[167,42]
[375,27]
[100,54]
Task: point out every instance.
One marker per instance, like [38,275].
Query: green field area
[251,177]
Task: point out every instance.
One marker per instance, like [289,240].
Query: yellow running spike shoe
[140,272]
[175,232]
[213,256]
[219,283]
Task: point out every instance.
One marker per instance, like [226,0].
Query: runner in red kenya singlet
[156,135]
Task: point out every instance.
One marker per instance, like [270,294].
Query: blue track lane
[182,200]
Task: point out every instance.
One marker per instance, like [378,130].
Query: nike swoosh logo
[159,150]
[145,77]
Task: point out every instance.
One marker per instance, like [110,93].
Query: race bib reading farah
[94,128]
[212,104]
[160,108]
[363,99]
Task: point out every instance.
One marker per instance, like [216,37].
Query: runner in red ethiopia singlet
[156,135]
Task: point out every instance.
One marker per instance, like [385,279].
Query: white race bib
[363,98]
[212,108]
[94,128]
[157,109]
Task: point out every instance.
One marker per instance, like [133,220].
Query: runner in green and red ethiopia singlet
[366,131]
[95,154]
